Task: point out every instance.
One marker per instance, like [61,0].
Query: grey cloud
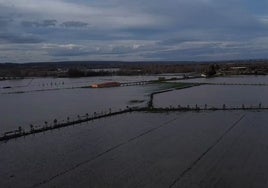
[65,50]
[74,24]
[67,53]
[48,23]
[18,38]
[4,21]
[44,23]
[178,28]
[174,41]
[211,17]
[93,49]
[210,50]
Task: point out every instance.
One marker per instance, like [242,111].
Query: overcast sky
[56,30]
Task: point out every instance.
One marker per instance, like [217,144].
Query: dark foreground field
[207,149]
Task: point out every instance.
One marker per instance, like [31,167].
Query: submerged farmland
[164,145]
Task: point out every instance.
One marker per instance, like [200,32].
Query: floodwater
[36,107]
[36,84]
[61,99]
[242,79]
[179,149]
[212,149]
[214,96]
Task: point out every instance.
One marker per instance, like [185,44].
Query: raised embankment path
[20,132]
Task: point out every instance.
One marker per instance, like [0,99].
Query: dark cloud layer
[53,23]
[66,50]
[17,38]
[44,23]
[144,29]
[74,24]
[4,21]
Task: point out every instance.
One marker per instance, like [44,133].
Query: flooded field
[36,107]
[138,149]
[33,84]
[232,80]
[214,96]
[144,150]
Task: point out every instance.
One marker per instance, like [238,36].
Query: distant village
[90,69]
